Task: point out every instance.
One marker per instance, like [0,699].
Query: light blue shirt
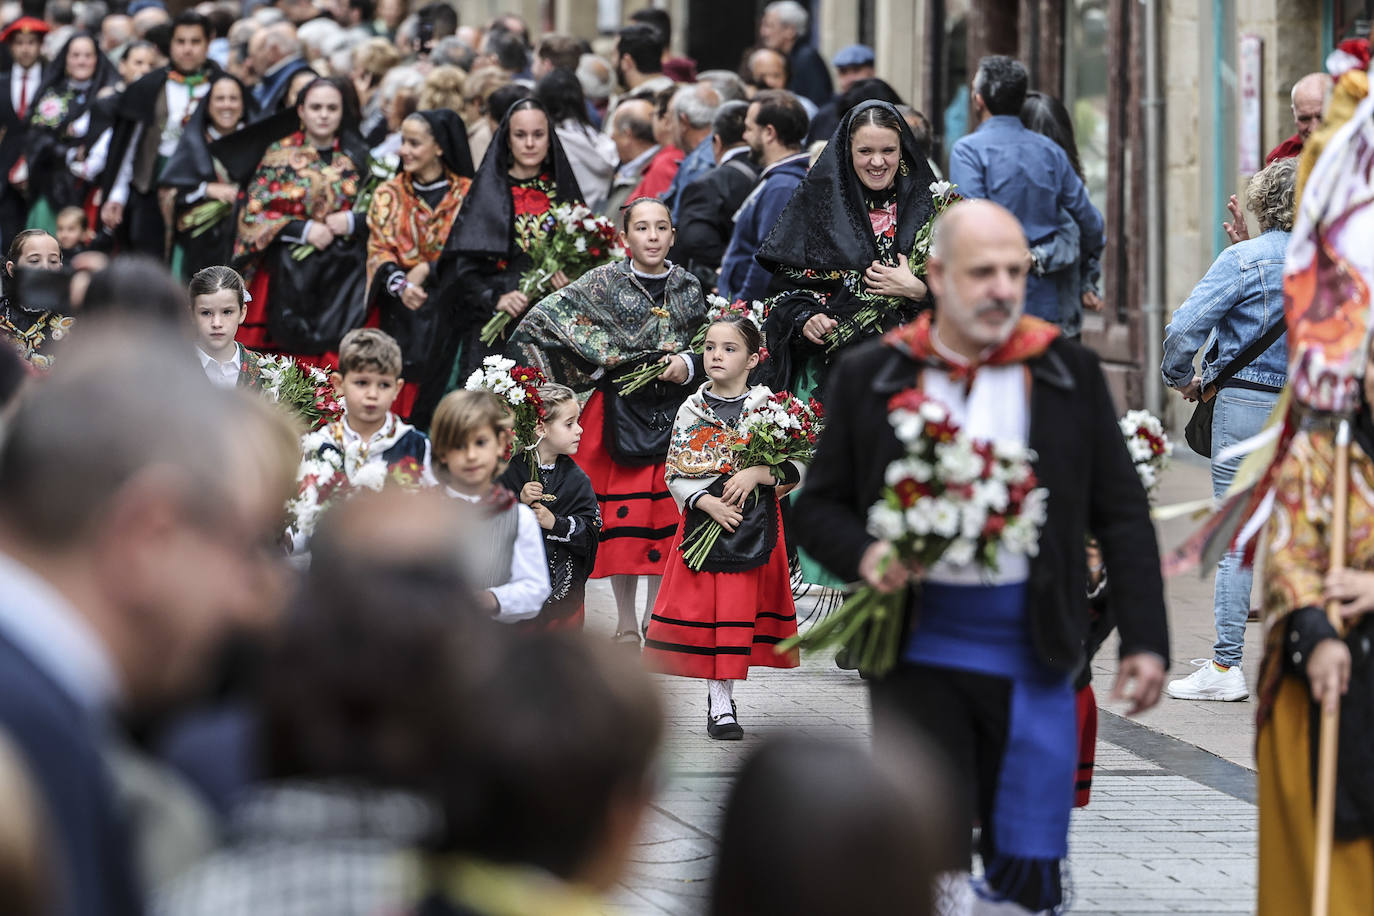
[44,626]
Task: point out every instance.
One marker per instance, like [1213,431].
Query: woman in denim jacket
[1233,306]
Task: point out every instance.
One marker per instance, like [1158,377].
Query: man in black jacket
[988,656]
[706,209]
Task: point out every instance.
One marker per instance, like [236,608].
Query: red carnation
[529,201]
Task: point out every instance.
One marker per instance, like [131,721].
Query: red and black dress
[590,332]
[730,616]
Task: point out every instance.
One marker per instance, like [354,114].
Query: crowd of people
[330,659]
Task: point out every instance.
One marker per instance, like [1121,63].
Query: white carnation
[475,381]
[960,552]
[371,476]
[959,463]
[918,517]
[884,522]
[991,494]
[944,516]
[580,243]
[934,412]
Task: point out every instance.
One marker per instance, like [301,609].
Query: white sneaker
[1207,683]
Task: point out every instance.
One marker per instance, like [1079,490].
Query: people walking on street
[1235,316]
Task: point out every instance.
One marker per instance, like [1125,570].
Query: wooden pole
[1331,711]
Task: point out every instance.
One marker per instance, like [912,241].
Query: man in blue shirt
[1022,170]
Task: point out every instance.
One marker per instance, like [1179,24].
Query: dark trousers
[963,717]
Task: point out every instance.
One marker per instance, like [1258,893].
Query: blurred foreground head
[150,499]
[557,767]
[826,829]
[376,658]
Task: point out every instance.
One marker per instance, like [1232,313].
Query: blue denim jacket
[1030,175]
[1239,298]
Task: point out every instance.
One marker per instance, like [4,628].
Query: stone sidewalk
[1171,828]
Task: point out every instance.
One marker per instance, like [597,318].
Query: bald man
[988,657]
[1308,98]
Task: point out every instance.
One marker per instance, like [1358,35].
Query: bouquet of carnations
[779,430]
[942,197]
[377,172]
[573,239]
[518,389]
[949,497]
[305,390]
[323,480]
[1148,444]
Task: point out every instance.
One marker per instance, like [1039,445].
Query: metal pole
[1152,310]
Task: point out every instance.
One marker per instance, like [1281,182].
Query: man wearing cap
[18,85]
[852,63]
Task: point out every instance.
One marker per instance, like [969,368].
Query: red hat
[27,25]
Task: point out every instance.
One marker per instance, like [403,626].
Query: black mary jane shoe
[724,731]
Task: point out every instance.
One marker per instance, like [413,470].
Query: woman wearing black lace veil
[839,252]
[522,177]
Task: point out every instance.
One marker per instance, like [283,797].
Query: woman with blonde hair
[443,88]
[481,83]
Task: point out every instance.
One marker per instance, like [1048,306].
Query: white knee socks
[720,697]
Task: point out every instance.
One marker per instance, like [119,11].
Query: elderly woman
[1233,307]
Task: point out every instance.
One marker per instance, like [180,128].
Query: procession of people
[342,345]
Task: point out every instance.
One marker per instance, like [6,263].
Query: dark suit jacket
[12,130]
[270,93]
[707,216]
[60,746]
[810,75]
[1082,460]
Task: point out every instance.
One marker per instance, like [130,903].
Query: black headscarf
[825,226]
[191,162]
[452,136]
[484,223]
[56,75]
[241,152]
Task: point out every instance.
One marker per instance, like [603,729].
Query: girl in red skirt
[609,322]
[716,623]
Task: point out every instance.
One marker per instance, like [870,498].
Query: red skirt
[719,625]
[1087,746]
[638,515]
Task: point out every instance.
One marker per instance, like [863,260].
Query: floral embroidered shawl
[700,449]
[403,229]
[293,182]
[605,319]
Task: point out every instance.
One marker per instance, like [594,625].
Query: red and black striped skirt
[719,625]
[638,515]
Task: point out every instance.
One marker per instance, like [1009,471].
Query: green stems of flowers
[868,624]
[639,378]
[201,218]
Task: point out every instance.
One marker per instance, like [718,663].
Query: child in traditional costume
[504,552]
[32,329]
[564,504]
[300,246]
[522,177]
[408,223]
[718,622]
[218,305]
[618,317]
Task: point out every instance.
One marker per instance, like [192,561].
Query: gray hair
[281,38]
[697,104]
[790,13]
[727,84]
[1271,195]
[398,79]
[598,82]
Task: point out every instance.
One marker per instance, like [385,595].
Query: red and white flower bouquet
[779,430]
[574,240]
[1148,444]
[949,498]
[305,390]
[518,389]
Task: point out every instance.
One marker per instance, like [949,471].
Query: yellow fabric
[512,890]
[1346,96]
[1287,828]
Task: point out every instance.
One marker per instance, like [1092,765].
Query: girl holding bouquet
[522,176]
[621,320]
[300,247]
[204,195]
[716,621]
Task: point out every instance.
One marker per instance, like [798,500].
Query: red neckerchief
[498,500]
[1030,338]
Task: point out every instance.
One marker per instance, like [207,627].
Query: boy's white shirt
[523,596]
[392,429]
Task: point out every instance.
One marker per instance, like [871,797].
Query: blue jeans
[1238,415]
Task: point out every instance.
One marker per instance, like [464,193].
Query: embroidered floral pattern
[532,199]
[403,229]
[293,182]
[28,337]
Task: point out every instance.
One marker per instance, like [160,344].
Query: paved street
[1171,828]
